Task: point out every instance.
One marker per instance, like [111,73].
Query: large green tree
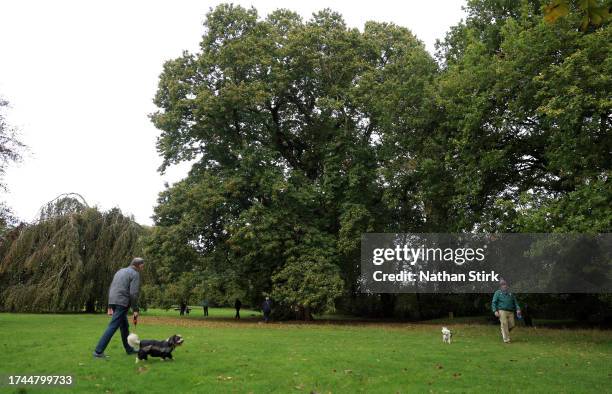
[65,261]
[528,115]
[529,111]
[306,134]
[285,120]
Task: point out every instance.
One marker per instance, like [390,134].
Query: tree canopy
[306,133]
[66,260]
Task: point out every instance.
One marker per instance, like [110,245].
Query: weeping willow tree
[64,262]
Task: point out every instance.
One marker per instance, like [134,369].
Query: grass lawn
[220,355]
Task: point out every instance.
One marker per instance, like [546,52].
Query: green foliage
[306,134]
[65,262]
[531,122]
[310,281]
[594,12]
[281,115]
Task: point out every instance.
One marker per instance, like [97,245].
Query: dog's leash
[109,312]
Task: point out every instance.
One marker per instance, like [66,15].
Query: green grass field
[220,355]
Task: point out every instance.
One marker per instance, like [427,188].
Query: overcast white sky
[81,75]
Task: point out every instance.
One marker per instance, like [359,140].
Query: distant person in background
[237,306]
[183,308]
[504,305]
[205,306]
[267,309]
[122,294]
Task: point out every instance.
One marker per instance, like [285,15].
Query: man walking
[503,305]
[237,306]
[122,294]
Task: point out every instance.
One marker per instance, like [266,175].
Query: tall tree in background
[304,135]
[66,260]
[529,111]
[285,120]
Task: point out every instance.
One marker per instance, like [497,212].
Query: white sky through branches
[81,75]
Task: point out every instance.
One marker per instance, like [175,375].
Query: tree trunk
[303,313]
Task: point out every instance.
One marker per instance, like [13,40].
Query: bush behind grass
[222,356]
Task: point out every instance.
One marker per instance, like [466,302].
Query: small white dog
[133,341]
[447,335]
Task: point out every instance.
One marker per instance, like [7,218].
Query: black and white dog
[153,348]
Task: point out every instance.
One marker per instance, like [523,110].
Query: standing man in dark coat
[267,309]
[122,295]
[205,306]
[237,305]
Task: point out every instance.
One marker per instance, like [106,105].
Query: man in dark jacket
[237,306]
[267,309]
[122,294]
[205,306]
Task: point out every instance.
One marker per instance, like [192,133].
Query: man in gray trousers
[122,294]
